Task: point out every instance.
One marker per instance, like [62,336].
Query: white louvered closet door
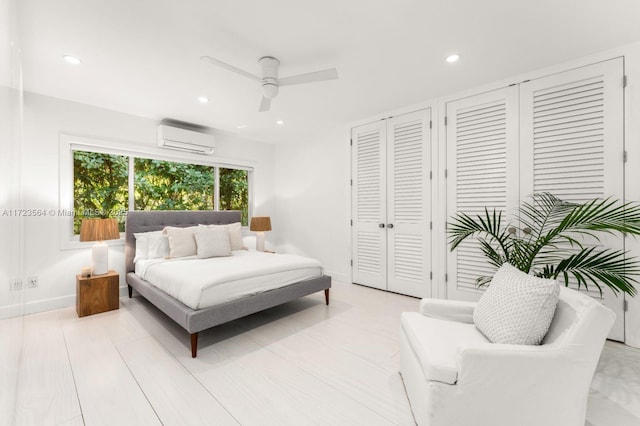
[408,203]
[369,236]
[482,171]
[572,144]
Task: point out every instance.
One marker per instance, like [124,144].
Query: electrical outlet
[32,282]
[15,284]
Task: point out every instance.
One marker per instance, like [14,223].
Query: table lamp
[260,224]
[99,230]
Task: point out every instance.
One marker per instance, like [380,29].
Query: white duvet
[199,283]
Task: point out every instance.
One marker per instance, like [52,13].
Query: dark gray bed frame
[196,320]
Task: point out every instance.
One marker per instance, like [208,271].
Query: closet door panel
[572,145]
[408,203]
[482,172]
[369,239]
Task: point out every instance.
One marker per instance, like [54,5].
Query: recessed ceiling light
[71,60]
[241,126]
[453,58]
[279,122]
[203,99]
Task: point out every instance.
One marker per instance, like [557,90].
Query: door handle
[390,225]
[381,225]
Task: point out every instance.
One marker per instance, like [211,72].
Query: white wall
[10,109]
[45,119]
[312,183]
[312,200]
[6,176]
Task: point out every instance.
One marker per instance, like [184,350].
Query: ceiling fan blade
[330,74]
[228,67]
[265,104]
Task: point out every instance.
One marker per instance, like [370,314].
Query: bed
[196,320]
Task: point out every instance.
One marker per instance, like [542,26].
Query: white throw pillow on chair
[517,308]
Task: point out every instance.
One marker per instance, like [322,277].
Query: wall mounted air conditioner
[185,140]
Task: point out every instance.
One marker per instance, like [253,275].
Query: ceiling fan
[270,81]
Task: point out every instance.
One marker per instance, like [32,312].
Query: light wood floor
[300,363]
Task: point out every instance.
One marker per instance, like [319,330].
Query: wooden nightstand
[99,293]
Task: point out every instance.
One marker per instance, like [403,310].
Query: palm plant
[555,239]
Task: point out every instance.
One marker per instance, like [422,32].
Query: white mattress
[200,283]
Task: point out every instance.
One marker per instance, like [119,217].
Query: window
[100,187]
[234,191]
[167,185]
[108,185]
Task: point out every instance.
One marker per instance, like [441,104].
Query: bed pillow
[141,246]
[235,233]
[517,308]
[151,245]
[182,242]
[158,247]
[213,242]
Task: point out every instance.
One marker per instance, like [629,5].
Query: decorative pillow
[151,245]
[181,241]
[158,247]
[213,243]
[517,308]
[235,233]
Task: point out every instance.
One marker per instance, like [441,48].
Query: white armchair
[454,376]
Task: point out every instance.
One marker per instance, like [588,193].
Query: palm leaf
[603,215]
[461,227]
[482,281]
[490,226]
[491,253]
[543,212]
[609,267]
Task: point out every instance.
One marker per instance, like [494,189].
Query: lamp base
[100,259]
[260,241]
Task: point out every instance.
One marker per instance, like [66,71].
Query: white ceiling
[143,56]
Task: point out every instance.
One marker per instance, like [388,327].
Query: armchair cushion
[517,308]
[436,343]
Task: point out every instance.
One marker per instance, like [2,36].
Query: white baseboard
[339,276]
[43,305]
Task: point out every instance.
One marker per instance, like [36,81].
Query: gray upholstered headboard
[145,221]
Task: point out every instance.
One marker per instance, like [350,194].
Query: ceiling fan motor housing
[269,76]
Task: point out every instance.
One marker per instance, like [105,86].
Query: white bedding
[200,283]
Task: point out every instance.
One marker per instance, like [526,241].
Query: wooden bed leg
[130,291]
[194,345]
[326,296]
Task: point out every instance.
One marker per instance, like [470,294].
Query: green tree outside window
[167,185]
[234,192]
[100,187]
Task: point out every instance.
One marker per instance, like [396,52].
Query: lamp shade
[99,230]
[260,223]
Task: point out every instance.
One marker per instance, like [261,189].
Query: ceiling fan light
[270,90]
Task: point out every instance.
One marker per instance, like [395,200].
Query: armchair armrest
[502,364]
[451,310]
